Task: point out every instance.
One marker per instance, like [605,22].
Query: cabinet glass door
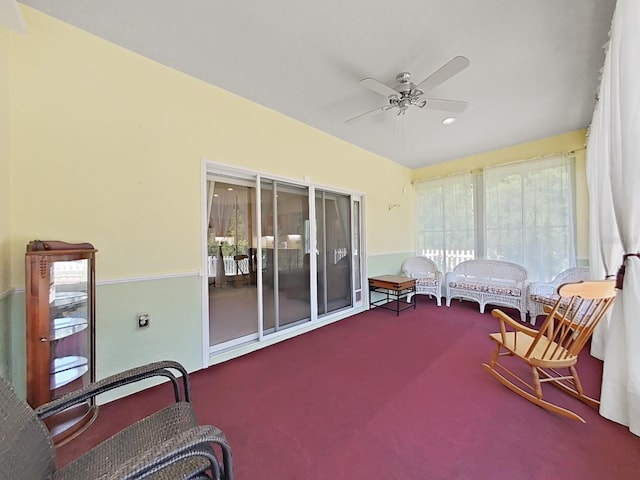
[69,338]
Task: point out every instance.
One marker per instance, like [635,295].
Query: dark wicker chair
[167,444]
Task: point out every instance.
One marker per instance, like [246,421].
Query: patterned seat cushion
[578,309]
[512,291]
[545,299]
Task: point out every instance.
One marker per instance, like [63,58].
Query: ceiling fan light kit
[406,94]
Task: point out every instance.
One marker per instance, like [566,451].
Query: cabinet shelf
[67,369]
[69,299]
[67,326]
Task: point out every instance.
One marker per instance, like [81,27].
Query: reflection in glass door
[231,249]
[285,259]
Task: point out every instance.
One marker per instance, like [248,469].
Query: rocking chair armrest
[155,369]
[195,442]
[506,319]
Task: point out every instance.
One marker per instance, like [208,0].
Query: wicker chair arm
[506,319]
[413,274]
[542,289]
[162,368]
[195,442]
[453,277]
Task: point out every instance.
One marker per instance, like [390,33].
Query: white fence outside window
[229,265]
[448,259]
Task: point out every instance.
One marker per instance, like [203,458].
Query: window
[521,212]
[446,221]
[529,215]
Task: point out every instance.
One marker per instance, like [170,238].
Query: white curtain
[445,220]
[529,215]
[11,17]
[613,156]
[220,207]
[210,188]
[221,211]
[605,247]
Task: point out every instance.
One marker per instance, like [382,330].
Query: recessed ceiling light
[230,189]
[448,120]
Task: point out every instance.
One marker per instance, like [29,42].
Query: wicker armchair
[540,294]
[167,444]
[428,277]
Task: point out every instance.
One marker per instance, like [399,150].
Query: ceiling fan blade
[455,106]
[444,73]
[379,87]
[375,110]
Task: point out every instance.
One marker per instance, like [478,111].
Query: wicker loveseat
[493,282]
[540,294]
[428,277]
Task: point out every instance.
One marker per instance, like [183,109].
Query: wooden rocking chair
[553,349]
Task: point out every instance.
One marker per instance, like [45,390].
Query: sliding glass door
[285,255]
[279,255]
[334,252]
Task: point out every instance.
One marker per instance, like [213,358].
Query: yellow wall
[572,141]
[5,324]
[108,148]
[4,160]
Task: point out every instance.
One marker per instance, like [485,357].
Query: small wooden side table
[395,288]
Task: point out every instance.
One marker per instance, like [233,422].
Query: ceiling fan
[408,94]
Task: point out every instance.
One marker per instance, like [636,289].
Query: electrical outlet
[143,320]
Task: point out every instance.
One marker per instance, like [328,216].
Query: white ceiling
[533,73]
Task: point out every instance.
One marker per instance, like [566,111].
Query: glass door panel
[333,214]
[70,340]
[233,299]
[285,264]
[357,257]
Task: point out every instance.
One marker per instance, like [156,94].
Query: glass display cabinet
[60,313]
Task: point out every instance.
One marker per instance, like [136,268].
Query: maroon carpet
[380,396]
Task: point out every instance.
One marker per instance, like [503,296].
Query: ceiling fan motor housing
[406,93]
[404,85]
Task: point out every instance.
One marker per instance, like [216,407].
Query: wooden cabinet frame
[60,314]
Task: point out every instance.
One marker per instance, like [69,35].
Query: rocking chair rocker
[567,328]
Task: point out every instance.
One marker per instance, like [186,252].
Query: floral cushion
[512,291]
[551,300]
[545,299]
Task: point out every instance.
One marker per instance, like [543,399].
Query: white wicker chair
[540,294]
[428,277]
[493,282]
